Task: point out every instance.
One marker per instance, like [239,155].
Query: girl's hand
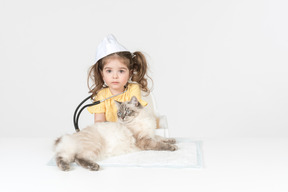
[99,117]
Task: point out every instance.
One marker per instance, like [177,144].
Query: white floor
[234,164]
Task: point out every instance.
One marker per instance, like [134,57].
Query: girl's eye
[122,71]
[109,71]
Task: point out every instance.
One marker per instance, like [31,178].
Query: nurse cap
[108,46]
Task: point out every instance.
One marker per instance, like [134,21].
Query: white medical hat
[108,46]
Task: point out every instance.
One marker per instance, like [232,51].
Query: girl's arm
[99,117]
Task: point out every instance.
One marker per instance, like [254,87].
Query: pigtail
[94,74]
[140,68]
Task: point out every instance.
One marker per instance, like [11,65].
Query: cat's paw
[173,147]
[64,166]
[94,167]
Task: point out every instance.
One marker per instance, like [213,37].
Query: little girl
[116,70]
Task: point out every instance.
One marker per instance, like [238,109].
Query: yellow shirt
[108,106]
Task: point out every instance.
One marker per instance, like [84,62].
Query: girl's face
[116,74]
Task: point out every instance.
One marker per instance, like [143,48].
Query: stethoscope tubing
[77,114]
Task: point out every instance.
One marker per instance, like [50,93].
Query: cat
[134,131]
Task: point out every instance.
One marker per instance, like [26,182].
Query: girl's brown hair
[136,63]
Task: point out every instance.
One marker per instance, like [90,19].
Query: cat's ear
[117,103]
[135,101]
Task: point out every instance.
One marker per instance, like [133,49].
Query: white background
[220,76]
[219,67]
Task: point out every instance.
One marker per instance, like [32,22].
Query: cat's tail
[65,150]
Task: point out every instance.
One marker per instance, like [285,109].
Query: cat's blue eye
[129,112]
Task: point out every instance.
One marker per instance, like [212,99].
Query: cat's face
[128,110]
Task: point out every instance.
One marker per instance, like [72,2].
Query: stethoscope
[76,116]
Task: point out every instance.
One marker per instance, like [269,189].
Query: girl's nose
[115,75]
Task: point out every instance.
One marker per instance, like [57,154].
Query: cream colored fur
[106,139]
